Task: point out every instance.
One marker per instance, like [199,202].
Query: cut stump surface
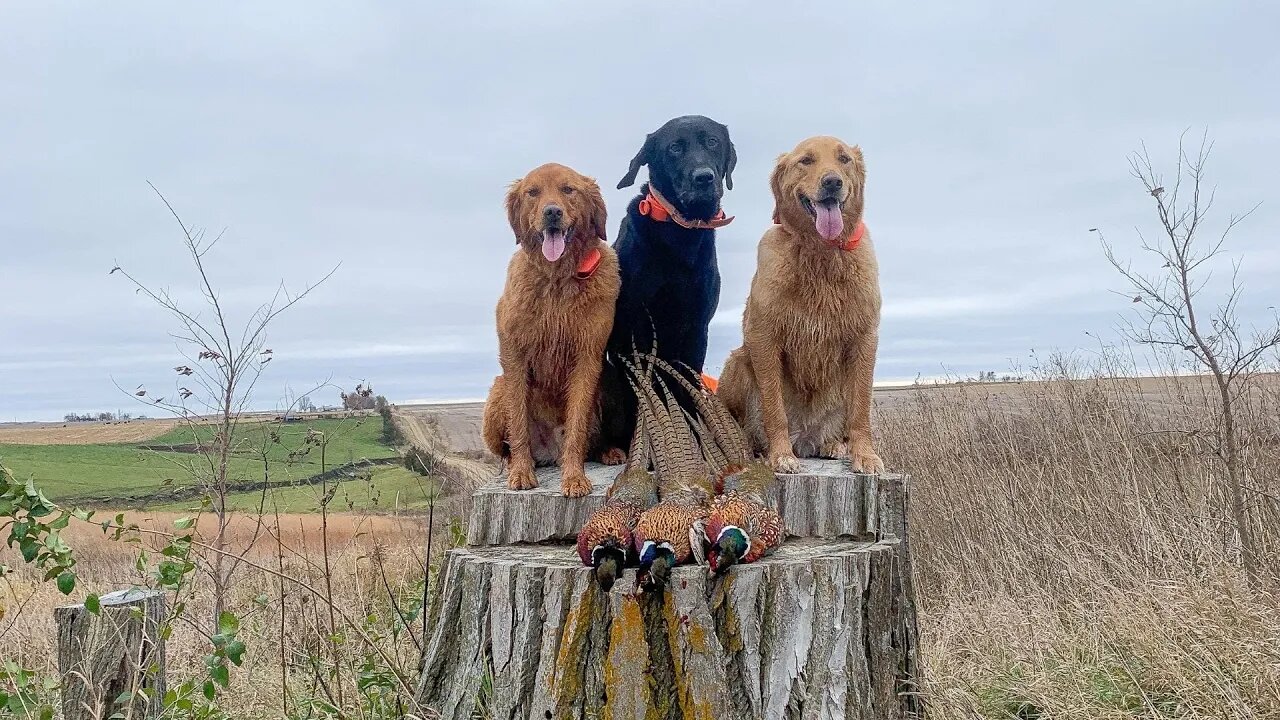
[825,500]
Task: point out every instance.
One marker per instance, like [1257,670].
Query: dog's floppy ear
[860,177]
[641,158]
[775,183]
[733,162]
[859,162]
[513,208]
[599,213]
[775,178]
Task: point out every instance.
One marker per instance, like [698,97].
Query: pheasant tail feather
[728,434]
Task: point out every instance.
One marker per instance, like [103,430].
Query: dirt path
[451,433]
[457,425]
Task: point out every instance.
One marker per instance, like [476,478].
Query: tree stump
[112,662]
[824,628]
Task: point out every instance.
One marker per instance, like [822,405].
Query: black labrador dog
[667,252]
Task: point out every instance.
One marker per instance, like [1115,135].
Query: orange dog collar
[589,264]
[656,208]
[848,244]
[854,238]
[710,383]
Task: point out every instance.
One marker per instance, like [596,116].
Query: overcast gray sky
[382,136]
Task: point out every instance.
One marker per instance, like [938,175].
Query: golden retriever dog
[554,319]
[801,382]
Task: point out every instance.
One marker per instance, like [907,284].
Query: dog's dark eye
[676,148]
[806,160]
[533,192]
[567,190]
[845,158]
[712,143]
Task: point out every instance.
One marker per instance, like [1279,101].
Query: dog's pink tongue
[552,244]
[829,222]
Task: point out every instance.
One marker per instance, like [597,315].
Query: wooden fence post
[112,662]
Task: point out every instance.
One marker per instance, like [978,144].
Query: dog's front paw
[785,463]
[613,456]
[522,478]
[574,483]
[865,460]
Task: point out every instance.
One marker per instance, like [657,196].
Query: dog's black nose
[704,176]
[832,182]
[552,213]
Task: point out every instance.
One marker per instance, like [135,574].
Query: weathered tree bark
[824,628]
[112,663]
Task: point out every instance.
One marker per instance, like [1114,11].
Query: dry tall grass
[1074,552]
[376,568]
[1071,540]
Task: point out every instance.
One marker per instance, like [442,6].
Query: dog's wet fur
[552,329]
[670,278]
[801,382]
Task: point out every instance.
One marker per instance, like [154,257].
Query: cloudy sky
[381,137]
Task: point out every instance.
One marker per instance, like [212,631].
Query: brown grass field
[457,426]
[115,431]
[83,433]
[1071,537]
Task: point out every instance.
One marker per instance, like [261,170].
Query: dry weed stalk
[226,366]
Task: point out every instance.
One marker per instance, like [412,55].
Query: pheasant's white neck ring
[745,537]
[650,545]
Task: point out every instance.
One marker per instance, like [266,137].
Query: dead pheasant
[670,533]
[606,542]
[741,527]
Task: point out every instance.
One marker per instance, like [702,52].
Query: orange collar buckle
[656,208]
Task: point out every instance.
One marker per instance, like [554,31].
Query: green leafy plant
[34,524]
[24,693]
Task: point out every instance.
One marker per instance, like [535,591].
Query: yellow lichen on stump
[566,681]
[627,649]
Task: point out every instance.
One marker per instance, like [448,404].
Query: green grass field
[388,488]
[101,474]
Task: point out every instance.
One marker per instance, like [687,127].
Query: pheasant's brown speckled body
[670,522]
[606,541]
